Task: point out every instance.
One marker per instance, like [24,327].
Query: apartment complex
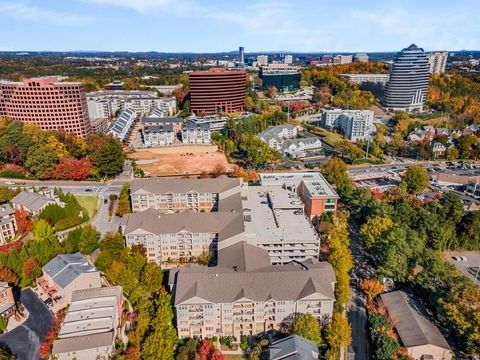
[438,62]
[7,301]
[47,103]
[408,84]
[216,122]
[355,124]
[381,79]
[274,136]
[217,91]
[154,120]
[158,135]
[8,224]
[122,125]
[246,295]
[91,324]
[106,103]
[171,195]
[196,133]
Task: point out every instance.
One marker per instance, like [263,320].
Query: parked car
[88,190]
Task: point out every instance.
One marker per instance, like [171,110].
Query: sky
[223,25]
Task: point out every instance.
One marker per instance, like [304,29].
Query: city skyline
[200,26]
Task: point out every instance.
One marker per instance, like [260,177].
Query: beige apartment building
[246,295]
[172,195]
[8,224]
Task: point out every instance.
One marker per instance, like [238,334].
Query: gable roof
[65,268]
[32,201]
[85,342]
[164,120]
[293,347]
[412,326]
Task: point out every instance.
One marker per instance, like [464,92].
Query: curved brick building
[47,103]
[217,91]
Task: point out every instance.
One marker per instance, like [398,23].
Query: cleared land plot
[89,203]
[180,160]
[468,265]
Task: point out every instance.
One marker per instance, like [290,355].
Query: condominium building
[8,224]
[153,120]
[274,136]
[106,103]
[47,103]
[355,124]
[409,77]
[438,62]
[360,57]
[216,122]
[246,295]
[122,125]
[217,91]
[196,133]
[170,195]
[381,79]
[91,324]
[262,60]
[158,135]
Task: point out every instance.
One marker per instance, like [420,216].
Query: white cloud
[138,5]
[32,13]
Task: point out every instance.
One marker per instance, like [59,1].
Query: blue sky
[223,25]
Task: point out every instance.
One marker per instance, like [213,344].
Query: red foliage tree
[72,169]
[8,275]
[24,224]
[16,168]
[272,91]
[5,249]
[32,268]
[207,351]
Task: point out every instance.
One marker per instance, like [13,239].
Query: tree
[451,153]
[42,231]
[338,334]
[6,194]
[40,161]
[160,344]
[109,158]
[335,171]
[70,244]
[372,289]
[272,91]
[124,200]
[31,268]
[307,326]
[152,277]
[374,229]
[187,350]
[24,224]
[57,146]
[207,351]
[415,179]
[88,240]
[111,248]
[8,275]
[72,169]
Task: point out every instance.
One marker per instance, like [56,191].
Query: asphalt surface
[24,341]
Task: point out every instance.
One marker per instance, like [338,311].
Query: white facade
[355,124]
[262,60]
[363,78]
[122,125]
[158,136]
[196,134]
[342,59]
[288,59]
[438,62]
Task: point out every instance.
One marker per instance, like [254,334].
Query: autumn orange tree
[372,289]
[8,275]
[24,224]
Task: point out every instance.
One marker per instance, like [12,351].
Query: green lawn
[329,137]
[234,357]
[89,203]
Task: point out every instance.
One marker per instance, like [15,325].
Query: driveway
[24,341]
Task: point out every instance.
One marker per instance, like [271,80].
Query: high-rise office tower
[47,103]
[407,88]
[241,52]
[438,62]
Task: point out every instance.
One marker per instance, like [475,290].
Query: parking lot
[468,262]
[24,341]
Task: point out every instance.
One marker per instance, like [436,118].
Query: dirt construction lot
[180,160]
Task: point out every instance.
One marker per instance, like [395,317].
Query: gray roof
[223,285]
[164,120]
[6,209]
[274,131]
[175,185]
[158,128]
[84,342]
[243,257]
[410,322]
[306,141]
[192,126]
[96,293]
[65,268]
[31,200]
[225,224]
[293,347]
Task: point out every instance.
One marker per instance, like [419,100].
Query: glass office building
[283,81]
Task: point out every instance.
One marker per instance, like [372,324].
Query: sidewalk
[13,322]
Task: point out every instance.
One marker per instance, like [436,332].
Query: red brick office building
[47,103]
[217,91]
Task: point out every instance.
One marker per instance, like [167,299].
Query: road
[24,341]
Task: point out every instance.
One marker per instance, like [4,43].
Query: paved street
[24,341]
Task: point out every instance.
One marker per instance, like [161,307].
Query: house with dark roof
[293,347]
[64,274]
[196,133]
[153,120]
[418,335]
[158,135]
[245,295]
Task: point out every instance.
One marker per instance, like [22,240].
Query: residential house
[245,295]
[275,135]
[121,126]
[293,347]
[64,274]
[174,122]
[442,132]
[438,149]
[7,301]
[158,135]
[196,133]
[33,203]
[91,325]
[418,335]
[296,148]
[8,225]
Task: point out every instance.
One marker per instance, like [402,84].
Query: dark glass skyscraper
[408,84]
